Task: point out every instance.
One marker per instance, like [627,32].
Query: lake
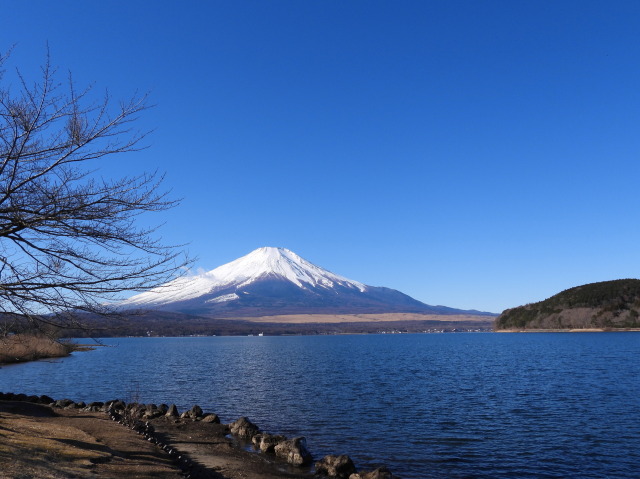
[459,405]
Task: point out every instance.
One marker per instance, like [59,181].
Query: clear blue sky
[475,154]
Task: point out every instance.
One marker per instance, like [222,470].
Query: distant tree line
[608,304]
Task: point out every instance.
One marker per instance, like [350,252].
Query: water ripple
[428,406]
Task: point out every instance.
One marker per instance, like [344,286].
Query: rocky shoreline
[175,435]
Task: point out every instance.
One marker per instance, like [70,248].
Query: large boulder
[294,451]
[115,404]
[194,413]
[172,411]
[267,442]
[151,411]
[44,399]
[135,410]
[336,466]
[63,403]
[211,418]
[95,406]
[244,429]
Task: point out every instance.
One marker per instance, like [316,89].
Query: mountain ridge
[271,281]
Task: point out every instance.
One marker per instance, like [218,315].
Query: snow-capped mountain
[275,281]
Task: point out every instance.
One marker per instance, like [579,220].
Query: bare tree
[70,241]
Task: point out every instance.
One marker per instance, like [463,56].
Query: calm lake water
[428,406]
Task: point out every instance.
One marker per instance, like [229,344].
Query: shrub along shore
[181,437]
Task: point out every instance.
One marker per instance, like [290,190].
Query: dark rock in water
[244,428]
[267,442]
[20,397]
[211,418]
[172,411]
[163,408]
[34,399]
[340,467]
[379,473]
[294,451]
[46,399]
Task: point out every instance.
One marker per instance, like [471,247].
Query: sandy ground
[39,442]
[363,318]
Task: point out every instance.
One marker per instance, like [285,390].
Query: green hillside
[609,304]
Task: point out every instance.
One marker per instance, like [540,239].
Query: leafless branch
[69,240]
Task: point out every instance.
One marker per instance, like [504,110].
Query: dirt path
[39,442]
[208,446]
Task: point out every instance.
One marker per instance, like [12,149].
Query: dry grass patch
[38,442]
[362,318]
[25,347]
[70,451]
[29,449]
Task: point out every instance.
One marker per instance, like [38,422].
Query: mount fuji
[276,281]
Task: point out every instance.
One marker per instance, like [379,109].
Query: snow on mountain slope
[275,281]
[279,262]
[262,263]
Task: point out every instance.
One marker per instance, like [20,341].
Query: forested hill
[609,304]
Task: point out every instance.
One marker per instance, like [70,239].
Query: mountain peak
[275,281]
[270,255]
[271,250]
[282,263]
[229,279]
